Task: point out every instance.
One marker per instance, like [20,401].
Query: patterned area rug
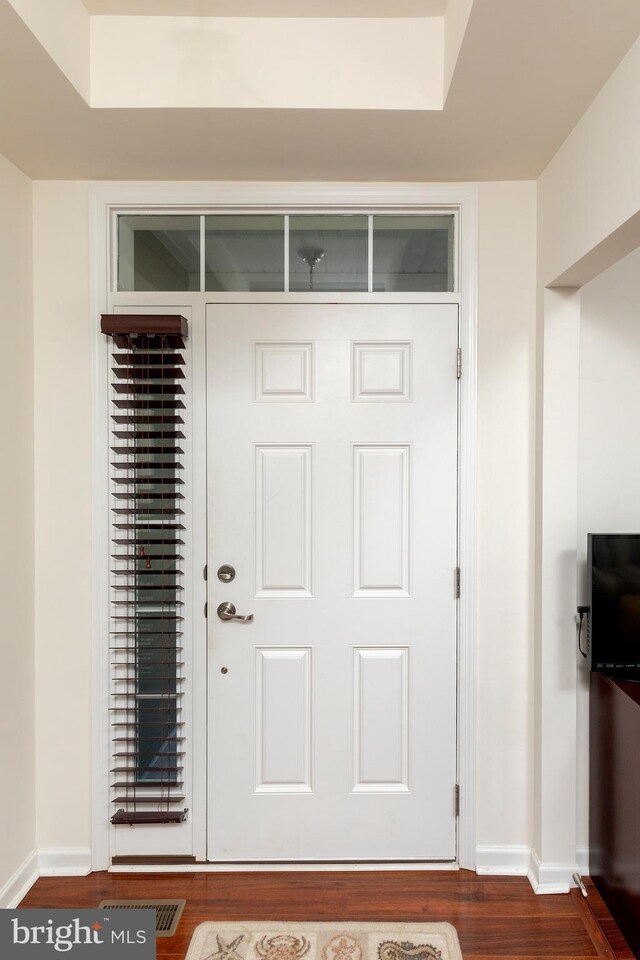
[281,940]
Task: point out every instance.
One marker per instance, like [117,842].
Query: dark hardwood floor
[496,917]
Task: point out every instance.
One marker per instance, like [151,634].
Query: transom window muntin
[267,252]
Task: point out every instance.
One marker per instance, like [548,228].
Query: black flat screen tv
[613,634]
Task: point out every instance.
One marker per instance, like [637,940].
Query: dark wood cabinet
[614,800]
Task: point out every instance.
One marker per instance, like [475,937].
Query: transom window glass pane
[413,253]
[244,253]
[328,253]
[158,253]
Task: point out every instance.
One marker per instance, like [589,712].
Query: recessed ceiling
[267,8]
[526,73]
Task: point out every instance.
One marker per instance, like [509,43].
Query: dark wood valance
[150,325]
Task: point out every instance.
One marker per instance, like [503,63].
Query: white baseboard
[64,861]
[48,862]
[551,877]
[505,860]
[19,884]
[512,860]
[509,860]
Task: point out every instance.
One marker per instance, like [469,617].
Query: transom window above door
[381,253]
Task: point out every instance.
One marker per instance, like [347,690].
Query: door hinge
[457,583]
[206,609]
[456,795]
[205,571]
[459,362]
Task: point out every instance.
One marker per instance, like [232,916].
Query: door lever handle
[227,611]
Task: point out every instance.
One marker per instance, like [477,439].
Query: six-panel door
[332,491]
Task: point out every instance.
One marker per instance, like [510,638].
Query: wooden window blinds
[148,371]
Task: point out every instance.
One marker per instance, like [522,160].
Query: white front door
[332,492]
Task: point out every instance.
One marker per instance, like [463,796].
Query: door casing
[109,200]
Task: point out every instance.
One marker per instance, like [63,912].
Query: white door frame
[108,199]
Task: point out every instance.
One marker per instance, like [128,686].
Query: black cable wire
[579,633]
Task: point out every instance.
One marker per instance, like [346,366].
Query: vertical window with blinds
[148,517]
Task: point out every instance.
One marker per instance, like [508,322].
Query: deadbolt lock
[226,573]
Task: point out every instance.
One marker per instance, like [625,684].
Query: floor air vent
[168,912]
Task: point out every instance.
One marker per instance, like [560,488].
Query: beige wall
[506,406]
[17,760]
[591,187]
[63,552]
[63,535]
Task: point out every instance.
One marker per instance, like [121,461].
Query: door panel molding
[283,523]
[381,548]
[279,718]
[376,668]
